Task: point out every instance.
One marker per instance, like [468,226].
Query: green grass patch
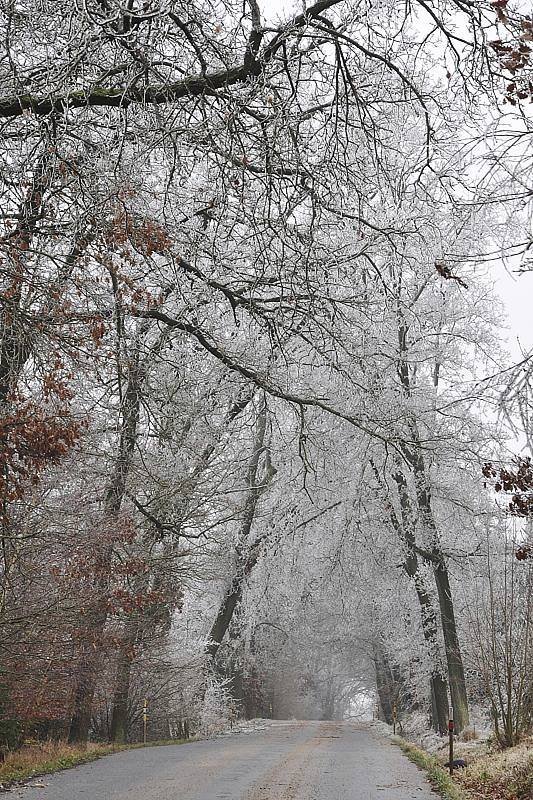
[441,780]
[34,760]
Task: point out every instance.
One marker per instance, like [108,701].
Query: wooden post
[394,717]
[451,727]
[145,718]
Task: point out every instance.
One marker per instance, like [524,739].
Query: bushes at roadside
[10,729]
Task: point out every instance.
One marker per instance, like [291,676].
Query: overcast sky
[516,292]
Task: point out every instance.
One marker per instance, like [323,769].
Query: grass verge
[35,760]
[441,781]
[501,774]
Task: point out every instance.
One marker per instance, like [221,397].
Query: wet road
[286,761]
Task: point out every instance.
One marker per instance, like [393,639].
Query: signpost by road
[451,727]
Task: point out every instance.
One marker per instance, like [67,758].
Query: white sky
[516,292]
[271,8]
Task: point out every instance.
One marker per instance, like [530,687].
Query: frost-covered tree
[238,265]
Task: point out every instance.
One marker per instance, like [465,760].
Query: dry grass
[469,735]
[43,758]
[501,775]
[438,777]
[490,775]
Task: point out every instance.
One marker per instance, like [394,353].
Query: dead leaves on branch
[32,438]
[518,482]
[515,52]
[446,273]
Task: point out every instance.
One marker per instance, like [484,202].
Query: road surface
[286,761]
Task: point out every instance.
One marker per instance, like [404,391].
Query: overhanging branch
[193,86]
[259,380]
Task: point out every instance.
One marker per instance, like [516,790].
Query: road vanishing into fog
[285,761]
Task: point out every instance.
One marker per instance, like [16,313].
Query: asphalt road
[287,761]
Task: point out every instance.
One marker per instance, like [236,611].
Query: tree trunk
[428,617]
[247,554]
[88,674]
[81,718]
[439,694]
[86,681]
[328,703]
[119,716]
[456,674]
[225,614]
[384,683]
[413,455]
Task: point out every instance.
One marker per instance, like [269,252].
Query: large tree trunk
[384,683]
[413,456]
[456,674]
[86,680]
[134,630]
[328,703]
[247,553]
[439,693]
[90,657]
[225,614]
[119,717]
[406,531]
